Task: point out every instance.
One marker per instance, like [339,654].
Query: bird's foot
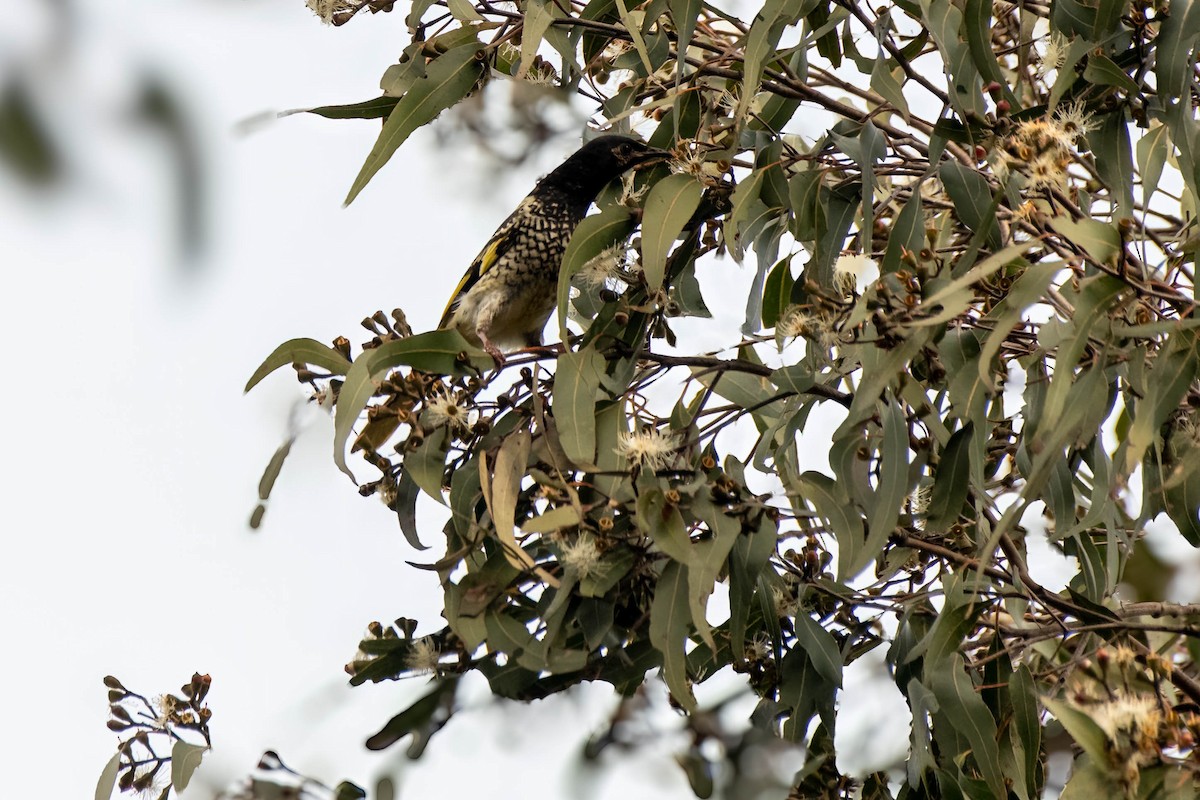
[495,353]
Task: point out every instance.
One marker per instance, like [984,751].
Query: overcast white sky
[128,551]
[133,457]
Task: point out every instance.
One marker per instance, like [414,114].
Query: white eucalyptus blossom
[581,555]
[1055,55]
[444,408]
[423,656]
[327,9]
[849,271]
[606,268]
[651,448]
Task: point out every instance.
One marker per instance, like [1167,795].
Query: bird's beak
[652,156]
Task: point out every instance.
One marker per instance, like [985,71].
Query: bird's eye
[624,150]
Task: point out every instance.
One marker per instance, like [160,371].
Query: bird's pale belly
[518,311]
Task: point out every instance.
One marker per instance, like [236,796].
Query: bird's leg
[483,326]
[490,347]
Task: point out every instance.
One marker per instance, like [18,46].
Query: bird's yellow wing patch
[479,267]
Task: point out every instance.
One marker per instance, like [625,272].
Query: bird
[510,290]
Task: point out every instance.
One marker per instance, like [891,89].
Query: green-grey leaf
[537,20]
[374,108]
[670,616]
[185,757]
[407,492]
[427,464]
[685,13]
[553,520]
[1103,71]
[435,352]
[893,482]
[448,80]
[1151,157]
[576,383]
[300,351]
[821,648]
[952,480]
[709,557]
[108,778]
[1026,722]
[1177,40]
[1086,733]
[669,206]
[972,199]
[271,473]
[664,524]
[888,86]
[1114,159]
[969,716]
[777,292]
[908,233]
[414,718]
[591,238]
[830,502]
[1174,369]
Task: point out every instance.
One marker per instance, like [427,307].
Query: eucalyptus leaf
[437,352]
[447,80]
[670,619]
[576,385]
[300,351]
[668,208]
[185,758]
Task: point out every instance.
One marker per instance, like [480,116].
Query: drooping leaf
[777,292]
[108,778]
[670,618]
[820,647]
[831,503]
[1174,369]
[426,465]
[685,13]
[592,237]
[908,233]
[429,712]
[1114,158]
[448,79]
[893,486]
[749,556]
[972,198]
[708,560]
[664,524]
[576,384]
[406,510]
[505,486]
[538,16]
[1026,723]
[668,208]
[951,481]
[185,758]
[967,713]
[437,352]
[300,351]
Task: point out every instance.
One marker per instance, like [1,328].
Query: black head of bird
[597,163]
[510,290]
